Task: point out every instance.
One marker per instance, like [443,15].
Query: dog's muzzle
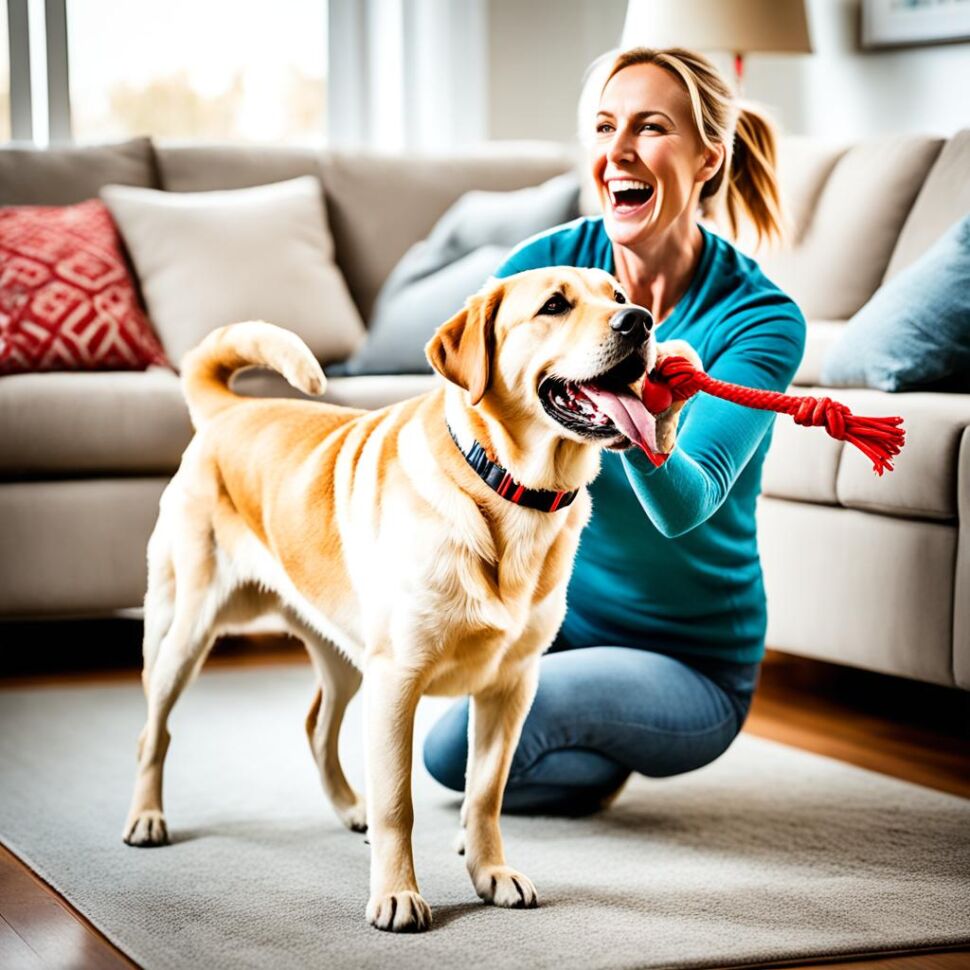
[633,323]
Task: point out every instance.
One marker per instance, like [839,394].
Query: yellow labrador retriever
[423,548]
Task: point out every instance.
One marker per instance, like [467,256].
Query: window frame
[58,107]
[355,84]
[18,40]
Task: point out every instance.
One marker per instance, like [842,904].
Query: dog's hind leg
[337,682]
[178,656]
[159,599]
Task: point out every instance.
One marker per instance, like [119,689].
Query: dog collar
[499,480]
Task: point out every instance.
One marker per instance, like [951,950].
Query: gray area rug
[768,854]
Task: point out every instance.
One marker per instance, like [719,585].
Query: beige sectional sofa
[873,572]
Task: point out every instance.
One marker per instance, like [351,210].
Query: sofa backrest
[380,205]
[847,206]
[943,199]
[859,213]
[377,205]
[70,174]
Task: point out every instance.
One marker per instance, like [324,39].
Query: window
[217,70]
[4,76]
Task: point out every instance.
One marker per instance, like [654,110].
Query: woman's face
[647,158]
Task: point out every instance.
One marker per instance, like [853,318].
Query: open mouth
[603,407]
[629,195]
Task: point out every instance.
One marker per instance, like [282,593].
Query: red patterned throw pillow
[67,299]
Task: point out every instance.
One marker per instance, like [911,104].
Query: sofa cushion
[208,167]
[67,299]
[915,332]
[944,198]
[65,175]
[923,481]
[437,275]
[206,259]
[819,337]
[807,465]
[802,463]
[75,547]
[80,424]
[840,257]
[369,391]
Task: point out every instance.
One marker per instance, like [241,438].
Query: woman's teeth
[627,195]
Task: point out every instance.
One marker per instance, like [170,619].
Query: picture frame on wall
[909,23]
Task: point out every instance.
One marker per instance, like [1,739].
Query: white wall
[538,50]
[844,92]
[537,53]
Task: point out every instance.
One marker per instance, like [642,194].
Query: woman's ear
[461,349]
[713,159]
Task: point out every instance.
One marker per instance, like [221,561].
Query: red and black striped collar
[499,480]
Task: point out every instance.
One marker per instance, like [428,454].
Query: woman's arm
[717,438]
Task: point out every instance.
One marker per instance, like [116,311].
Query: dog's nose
[634,322]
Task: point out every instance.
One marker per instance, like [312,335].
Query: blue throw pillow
[435,276]
[914,333]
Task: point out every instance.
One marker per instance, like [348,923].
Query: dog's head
[559,345]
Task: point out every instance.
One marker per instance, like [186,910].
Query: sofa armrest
[961,583]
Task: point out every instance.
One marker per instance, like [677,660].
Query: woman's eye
[555,306]
[619,297]
[651,127]
[603,128]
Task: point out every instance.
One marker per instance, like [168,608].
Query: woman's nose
[620,148]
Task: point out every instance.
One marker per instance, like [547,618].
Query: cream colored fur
[399,569]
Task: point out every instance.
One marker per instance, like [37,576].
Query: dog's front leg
[390,700]
[496,724]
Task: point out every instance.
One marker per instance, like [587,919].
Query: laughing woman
[657,660]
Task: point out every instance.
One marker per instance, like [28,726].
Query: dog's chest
[504,614]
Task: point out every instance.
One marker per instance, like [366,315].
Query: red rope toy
[676,379]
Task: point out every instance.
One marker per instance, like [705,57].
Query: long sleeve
[717,438]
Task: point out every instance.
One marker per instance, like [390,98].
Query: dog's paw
[146,829]
[403,912]
[354,816]
[503,886]
[458,844]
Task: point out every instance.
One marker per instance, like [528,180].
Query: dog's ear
[462,348]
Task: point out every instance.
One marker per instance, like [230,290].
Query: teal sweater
[669,560]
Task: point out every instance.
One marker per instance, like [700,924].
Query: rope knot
[815,412]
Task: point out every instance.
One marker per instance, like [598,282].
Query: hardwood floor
[917,732]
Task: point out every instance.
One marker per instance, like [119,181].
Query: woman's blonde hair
[745,184]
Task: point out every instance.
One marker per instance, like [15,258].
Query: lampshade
[738,26]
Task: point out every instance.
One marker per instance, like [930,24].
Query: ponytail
[751,184]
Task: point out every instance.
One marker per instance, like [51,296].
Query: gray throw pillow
[435,276]
[914,334]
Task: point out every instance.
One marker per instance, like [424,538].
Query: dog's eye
[619,297]
[555,306]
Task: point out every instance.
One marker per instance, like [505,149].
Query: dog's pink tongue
[628,414]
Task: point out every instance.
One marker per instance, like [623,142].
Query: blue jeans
[600,713]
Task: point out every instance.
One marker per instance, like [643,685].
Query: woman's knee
[679,755]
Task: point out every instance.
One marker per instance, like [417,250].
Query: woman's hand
[668,420]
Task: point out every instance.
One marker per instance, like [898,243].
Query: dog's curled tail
[207,369]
